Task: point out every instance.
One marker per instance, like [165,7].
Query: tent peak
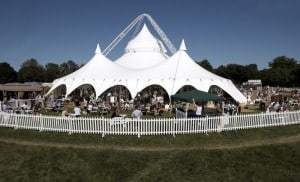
[144,41]
[98,49]
[145,26]
[182,46]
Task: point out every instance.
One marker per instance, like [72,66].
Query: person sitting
[25,106]
[64,113]
[54,105]
[158,111]
[90,107]
[36,108]
[115,112]
[155,111]
[161,111]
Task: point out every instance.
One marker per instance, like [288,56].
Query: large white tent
[144,63]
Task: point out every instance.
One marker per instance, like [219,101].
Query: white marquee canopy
[144,63]
[143,51]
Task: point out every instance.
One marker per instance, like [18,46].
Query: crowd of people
[32,106]
[274,99]
[153,102]
[110,102]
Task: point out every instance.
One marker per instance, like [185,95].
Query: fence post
[16,121]
[70,125]
[138,127]
[174,128]
[206,125]
[41,123]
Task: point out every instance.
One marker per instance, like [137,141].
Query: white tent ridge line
[144,64]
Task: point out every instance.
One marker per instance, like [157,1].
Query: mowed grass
[273,162]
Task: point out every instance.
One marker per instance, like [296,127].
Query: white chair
[122,120]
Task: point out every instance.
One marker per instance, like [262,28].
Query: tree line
[32,71]
[282,71]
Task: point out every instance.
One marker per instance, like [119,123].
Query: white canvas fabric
[145,67]
[99,72]
[143,51]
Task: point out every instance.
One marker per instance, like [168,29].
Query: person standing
[137,113]
[5,107]
[198,110]
[77,111]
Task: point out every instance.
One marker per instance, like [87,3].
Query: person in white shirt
[25,106]
[90,107]
[77,111]
[198,110]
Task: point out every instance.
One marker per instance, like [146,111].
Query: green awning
[196,95]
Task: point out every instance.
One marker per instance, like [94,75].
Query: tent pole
[170,105]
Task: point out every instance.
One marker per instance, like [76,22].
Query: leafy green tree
[31,71]
[235,72]
[206,65]
[267,77]
[238,73]
[231,71]
[282,72]
[282,62]
[67,68]
[249,72]
[7,73]
[52,72]
[296,75]
[222,71]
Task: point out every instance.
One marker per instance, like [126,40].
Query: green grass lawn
[272,162]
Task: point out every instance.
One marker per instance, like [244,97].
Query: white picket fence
[155,126]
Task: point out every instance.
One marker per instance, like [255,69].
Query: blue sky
[222,31]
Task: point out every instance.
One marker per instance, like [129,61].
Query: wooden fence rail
[153,126]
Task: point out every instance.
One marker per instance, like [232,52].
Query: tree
[67,68]
[232,72]
[31,71]
[51,72]
[282,72]
[283,62]
[249,72]
[8,74]
[206,65]
[267,77]
[222,71]
[296,75]
[238,73]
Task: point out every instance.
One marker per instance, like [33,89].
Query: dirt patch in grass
[245,144]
